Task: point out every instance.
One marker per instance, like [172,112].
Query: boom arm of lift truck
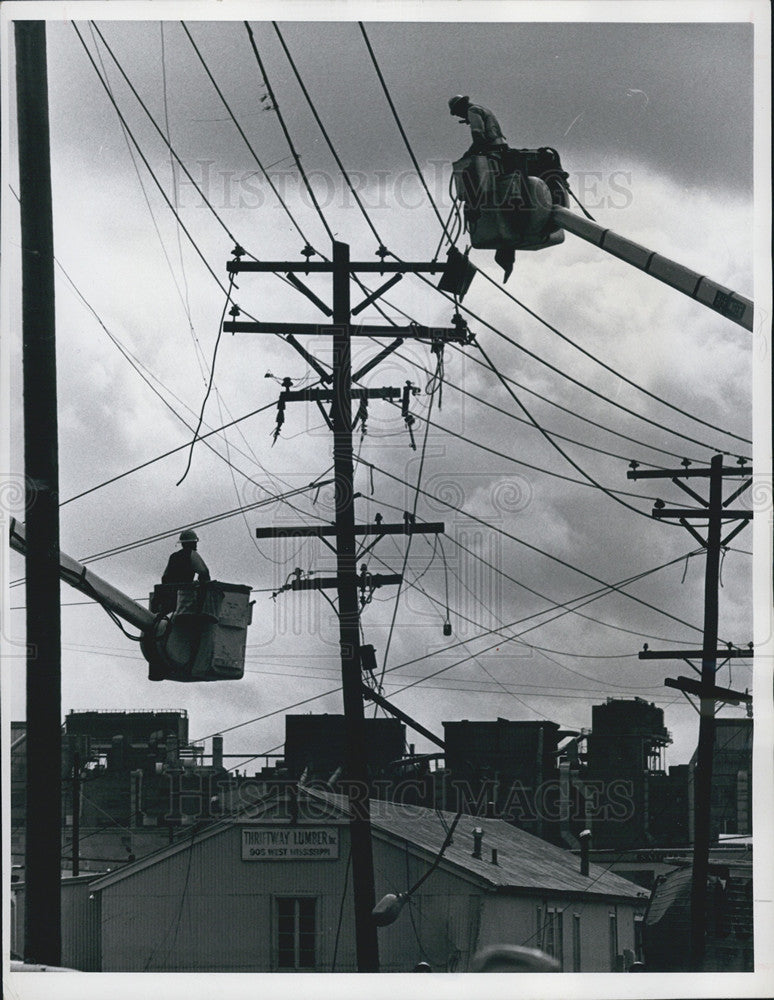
[735,307]
[89,583]
[203,639]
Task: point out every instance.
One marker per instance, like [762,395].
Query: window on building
[550,934]
[296,932]
[638,949]
[613,941]
[576,943]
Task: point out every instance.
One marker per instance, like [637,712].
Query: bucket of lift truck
[508,197]
[200,632]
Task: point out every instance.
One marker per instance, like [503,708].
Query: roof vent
[478,836]
[494,855]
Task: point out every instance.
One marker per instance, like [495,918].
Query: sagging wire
[85,585]
[211,380]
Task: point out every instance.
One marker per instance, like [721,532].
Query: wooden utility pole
[347,582]
[43,850]
[716,512]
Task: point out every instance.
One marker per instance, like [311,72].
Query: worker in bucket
[484,127]
[488,140]
[184,564]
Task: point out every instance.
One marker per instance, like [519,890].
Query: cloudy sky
[654,123]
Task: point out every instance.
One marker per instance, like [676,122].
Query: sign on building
[290,843]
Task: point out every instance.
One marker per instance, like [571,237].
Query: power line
[145,161]
[534,548]
[186,303]
[407,550]
[558,447]
[565,409]
[133,158]
[327,138]
[559,604]
[289,141]
[407,663]
[401,129]
[247,142]
[137,365]
[325,134]
[338,160]
[609,368]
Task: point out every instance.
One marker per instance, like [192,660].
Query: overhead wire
[610,493]
[420,175]
[132,156]
[351,186]
[339,163]
[519,636]
[610,587]
[284,128]
[146,376]
[322,128]
[556,604]
[164,194]
[609,368]
[521,541]
[175,197]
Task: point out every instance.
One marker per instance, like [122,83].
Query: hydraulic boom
[201,634]
[736,307]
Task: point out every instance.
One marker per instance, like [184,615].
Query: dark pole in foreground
[366,940]
[704,753]
[42,911]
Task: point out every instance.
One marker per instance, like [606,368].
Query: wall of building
[80,924]
[525,921]
[208,910]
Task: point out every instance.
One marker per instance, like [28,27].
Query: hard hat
[189,536]
[458,104]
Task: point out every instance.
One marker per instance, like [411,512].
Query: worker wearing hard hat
[178,592]
[484,127]
[186,563]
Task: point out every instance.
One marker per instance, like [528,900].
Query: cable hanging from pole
[211,380]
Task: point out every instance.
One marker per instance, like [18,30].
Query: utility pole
[717,512]
[43,850]
[344,528]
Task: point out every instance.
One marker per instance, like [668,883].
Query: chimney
[478,836]
[494,855]
[585,841]
[217,752]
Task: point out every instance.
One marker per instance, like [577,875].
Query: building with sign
[272,892]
